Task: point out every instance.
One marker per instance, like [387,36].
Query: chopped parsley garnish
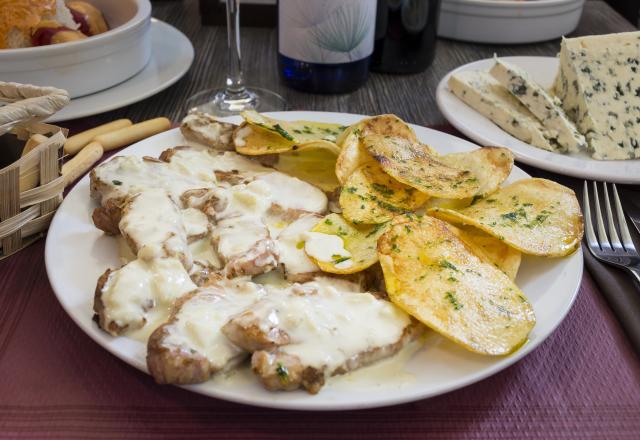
[375,229]
[327,221]
[282,372]
[337,259]
[453,300]
[447,265]
[116,182]
[282,132]
[350,189]
[382,189]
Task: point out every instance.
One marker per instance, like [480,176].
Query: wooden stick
[77,142]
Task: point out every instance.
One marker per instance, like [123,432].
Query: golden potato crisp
[371,196]
[353,155]
[299,132]
[414,165]
[312,163]
[359,240]
[490,165]
[490,249]
[434,276]
[262,135]
[534,216]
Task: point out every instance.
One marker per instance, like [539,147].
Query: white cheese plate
[477,127]
[77,253]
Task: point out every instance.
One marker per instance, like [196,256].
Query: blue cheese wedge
[599,86]
[487,96]
[546,108]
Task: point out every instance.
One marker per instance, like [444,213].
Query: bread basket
[30,187]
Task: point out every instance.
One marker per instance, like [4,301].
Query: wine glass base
[217,102]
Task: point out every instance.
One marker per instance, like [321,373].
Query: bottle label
[326,31]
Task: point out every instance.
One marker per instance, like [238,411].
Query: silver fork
[607,247]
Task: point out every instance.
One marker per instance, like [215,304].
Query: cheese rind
[483,93]
[599,86]
[546,108]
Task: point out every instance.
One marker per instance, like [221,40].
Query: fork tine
[613,234]
[592,241]
[602,233]
[622,222]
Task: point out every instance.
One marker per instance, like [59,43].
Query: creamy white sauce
[154,224]
[327,327]
[386,372]
[252,199]
[131,291]
[292,193]
[199,320]
[240,135]
[203,164]
[129,175]
[204,253]
[209,128]
[328,248]
[196,223]
[291,243]
[237,235]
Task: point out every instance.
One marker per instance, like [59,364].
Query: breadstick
[136,132]
[76,142]
[33,142]
[83,161]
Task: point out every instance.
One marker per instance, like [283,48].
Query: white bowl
[90,65]
[508,22]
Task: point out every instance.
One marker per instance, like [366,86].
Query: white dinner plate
[482,130]
[171,58]
[77,253]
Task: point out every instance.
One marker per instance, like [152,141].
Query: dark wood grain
[412,97]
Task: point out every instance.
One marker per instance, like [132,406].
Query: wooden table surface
[412,97]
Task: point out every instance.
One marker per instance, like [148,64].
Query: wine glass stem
[235,82]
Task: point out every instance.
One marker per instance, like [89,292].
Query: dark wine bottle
[324,46]
[406,32]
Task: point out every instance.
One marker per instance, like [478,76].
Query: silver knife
[631,205]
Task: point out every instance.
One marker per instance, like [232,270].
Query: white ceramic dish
[77,254]
[90,65]
[171,57]
[485,132]
[506,21]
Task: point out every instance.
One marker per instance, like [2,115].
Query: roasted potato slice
[371,196]
[490,165]
[255,140]
[414,165]
[360,243]
[534,216]
[312,163]
[260,134]
[490,249]
[352,153]
[434,276]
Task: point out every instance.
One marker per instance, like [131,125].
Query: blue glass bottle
[325,46]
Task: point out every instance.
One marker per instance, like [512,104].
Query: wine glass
[235,97]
